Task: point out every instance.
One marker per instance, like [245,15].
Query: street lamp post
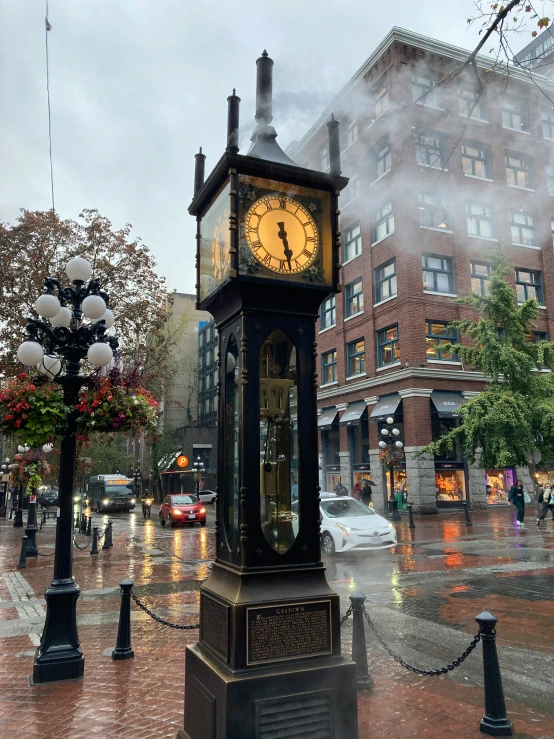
[57,348]
[18,516]
[136,478]
[199,469]
[6,468]
[390,441]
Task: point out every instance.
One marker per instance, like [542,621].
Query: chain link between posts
[162,620]
[89,542]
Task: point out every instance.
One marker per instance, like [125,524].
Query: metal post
[108,537]
[411,515]
[23,554]
[123,649]
[94,547]
[89,526]
[466,512]
[495,722]
[359,648]
[18,518]
[31,529]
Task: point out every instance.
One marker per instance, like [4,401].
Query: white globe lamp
[47,305]
[390,420]
[94,307]
[385,432]
[78,269]
[396,432]
[30,353]
[382,444]
[108,318]
[398,444]
[100,354]
[230,363]
[49,366]
[22,449]
[62,318]
[47,448]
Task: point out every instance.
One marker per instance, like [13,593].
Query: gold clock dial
[220,250]
[281,234]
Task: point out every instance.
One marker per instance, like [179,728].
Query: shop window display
[498,483]
[450,486]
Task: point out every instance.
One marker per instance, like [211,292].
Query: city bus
[111,493]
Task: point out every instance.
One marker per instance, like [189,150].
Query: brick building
[207,373]
[438,176]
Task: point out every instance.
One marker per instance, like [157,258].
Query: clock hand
[283,236]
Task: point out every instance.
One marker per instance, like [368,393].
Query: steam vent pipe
[334,147]
[199,164]
[233,102]
[264,85]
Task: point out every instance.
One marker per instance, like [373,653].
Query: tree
[162,450]
[40,244]
[514,414]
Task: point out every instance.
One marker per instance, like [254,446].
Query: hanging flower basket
[391,458]
[34,412]
[108,407]
[30,470]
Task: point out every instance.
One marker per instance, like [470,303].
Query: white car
[348,524]
[207,496]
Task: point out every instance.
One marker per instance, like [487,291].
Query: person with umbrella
[367,492]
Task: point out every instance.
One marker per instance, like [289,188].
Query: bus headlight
[106,501]
[133,501]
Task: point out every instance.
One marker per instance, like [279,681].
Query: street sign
[182,461]
[32,498]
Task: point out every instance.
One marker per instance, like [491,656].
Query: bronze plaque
[214,625]
[288,631]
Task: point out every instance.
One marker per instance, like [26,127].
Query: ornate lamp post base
[31,530]
[59,656]
[18,518]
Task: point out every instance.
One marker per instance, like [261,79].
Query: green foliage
[514,414]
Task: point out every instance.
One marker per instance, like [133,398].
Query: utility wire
[48,27]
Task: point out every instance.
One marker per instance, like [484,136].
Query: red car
[182,509]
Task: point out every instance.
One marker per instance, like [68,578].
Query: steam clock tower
[268,661]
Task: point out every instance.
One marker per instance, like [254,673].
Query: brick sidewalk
[143,698]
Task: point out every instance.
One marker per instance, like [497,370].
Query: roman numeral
[297,264]
[268,204]
[310,238]
[251,229]
[267,259]
[282,203]
[256,244]
[306,224]
[307,253]
[282,265]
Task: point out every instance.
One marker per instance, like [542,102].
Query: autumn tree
[514,415]
[41,243]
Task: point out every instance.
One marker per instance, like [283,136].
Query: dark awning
[386,405]
[353,414]
[325,421]
[447,403]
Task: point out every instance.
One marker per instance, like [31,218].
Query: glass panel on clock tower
[231,469]
[279,463]
[215,242]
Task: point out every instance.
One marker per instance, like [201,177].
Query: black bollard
[108,537]
[359,648]
[411,515]
[94,548]
[466,511]
[123,649]
[31,528]
[11,512]
[89,526]
[23,554]
[495,722]
[83,526]
[77,521]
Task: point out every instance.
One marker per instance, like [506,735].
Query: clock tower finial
[264,145]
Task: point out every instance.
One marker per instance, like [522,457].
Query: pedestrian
[546,499]
[366,494]
[356,491]
[340,489]
[517,497]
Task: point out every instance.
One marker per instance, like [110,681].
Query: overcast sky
[137,85]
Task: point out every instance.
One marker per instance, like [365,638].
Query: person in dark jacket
[366,494]
[546,498]
[516,496]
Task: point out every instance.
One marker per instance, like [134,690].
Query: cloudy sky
[137,85]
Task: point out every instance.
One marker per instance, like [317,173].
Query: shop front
[498,484]
[450,476]
[450,483]
[355,419]
[330,445]
[545,476]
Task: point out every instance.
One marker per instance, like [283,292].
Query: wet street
[423,597]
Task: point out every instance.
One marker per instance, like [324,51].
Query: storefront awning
[353,414]
[325,421]
[447,403]
[386,405]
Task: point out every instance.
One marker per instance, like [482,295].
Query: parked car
[48,498]
[347,524]
[207,496]
[182,509]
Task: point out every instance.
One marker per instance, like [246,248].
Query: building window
[380,158]
[518,169]
[351,191]
[323,158]
[550,179]
[429,149]
[380,97]
[515,113]
[548,124]
[438,273]
[528,285]
[385,281]
[471,103]
[536,336]
[523,228]
[354,298]
[480,274]
[423,84]
[479,220]
[388,346]
[383,222]
[351,134]
[544,48]
[437,335]
[329,367]
[327,313]
[476,159]
[355,357]
[352,239]
[432,211]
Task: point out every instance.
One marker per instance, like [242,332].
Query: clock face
[215,243]
[281,234]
